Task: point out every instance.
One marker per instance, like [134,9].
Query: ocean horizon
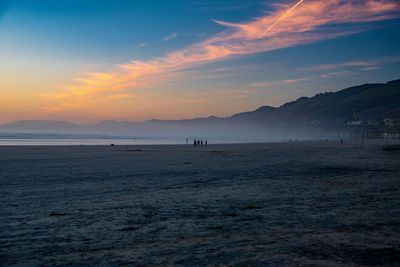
[49,139]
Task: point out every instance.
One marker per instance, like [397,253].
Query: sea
[48,139]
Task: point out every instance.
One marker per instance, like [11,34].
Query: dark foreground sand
[310,204]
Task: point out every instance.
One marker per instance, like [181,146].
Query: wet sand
[282,204]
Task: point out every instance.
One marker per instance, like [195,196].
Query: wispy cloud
[300,81]
[288,81]
[351,64]
[139,45]
[170,37]
[335,74]
[304,25]
[370,64]
[328,71]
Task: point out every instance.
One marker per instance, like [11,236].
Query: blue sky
[48,46]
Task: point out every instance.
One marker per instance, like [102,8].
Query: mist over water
[79,139]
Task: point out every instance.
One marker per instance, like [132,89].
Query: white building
[392,122]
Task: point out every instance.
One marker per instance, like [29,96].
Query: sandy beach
[278,204]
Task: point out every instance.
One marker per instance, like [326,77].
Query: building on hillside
[363,123]
[392,122]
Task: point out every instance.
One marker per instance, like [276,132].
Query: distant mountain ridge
[369,101]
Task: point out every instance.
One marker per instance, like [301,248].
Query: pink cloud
[301,26]
[288,81]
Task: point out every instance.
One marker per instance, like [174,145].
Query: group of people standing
[199,143]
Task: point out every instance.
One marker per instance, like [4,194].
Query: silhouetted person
[201,142]
[206,143]
[194,143]
[187,141]
[198,142]
[341,141]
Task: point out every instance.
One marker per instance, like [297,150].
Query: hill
[369,101]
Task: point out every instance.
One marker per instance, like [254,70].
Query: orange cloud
[284,27]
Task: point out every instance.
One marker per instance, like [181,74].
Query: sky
[92,60]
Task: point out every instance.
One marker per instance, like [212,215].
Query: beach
[315,203]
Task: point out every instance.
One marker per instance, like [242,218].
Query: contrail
[281,18]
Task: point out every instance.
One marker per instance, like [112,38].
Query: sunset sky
[92,60]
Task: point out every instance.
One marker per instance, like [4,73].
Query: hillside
[370,101]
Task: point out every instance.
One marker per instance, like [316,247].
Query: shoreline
[328,142]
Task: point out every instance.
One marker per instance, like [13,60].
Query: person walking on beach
[194,143]
[201,142]
[206,143]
